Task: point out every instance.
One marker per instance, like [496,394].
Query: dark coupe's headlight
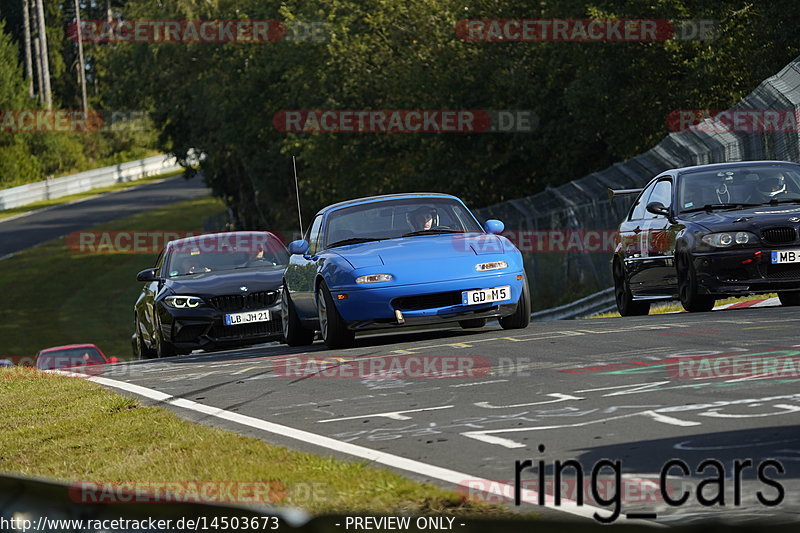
[183,302]
[728,239]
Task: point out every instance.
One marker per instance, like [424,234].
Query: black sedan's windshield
[734,187]
[390,219]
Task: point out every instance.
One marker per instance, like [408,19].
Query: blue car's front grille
[427,301]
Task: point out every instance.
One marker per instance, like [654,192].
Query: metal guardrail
[599,302]
[86,181]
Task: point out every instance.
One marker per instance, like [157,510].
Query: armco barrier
[86,181]
[599,302]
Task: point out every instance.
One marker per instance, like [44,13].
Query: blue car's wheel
[333,329]
[522,315]
[294,334]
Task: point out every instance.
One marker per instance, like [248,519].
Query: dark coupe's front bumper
[204,327]
[745,271]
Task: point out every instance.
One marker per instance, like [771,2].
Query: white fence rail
[85,181]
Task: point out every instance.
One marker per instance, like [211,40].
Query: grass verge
[63,297]
[7,213]
[79,431]
[671,307]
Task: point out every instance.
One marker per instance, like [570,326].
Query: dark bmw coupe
[711,231]
[210,291]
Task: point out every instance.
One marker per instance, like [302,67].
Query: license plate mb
[234,319]
[482,296]
[785,256]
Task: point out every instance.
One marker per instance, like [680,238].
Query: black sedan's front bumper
[204,327]
[745,271]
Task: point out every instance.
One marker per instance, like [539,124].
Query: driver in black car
[771,188]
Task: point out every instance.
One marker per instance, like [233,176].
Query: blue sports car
[397,260]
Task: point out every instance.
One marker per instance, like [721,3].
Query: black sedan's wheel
[333,329]
[294,334]
[789,299]
[472,323]
[688,289]
[623,295]
[522,314]
[142,351]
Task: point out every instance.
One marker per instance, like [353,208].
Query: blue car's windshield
[390,219]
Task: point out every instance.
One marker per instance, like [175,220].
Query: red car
[71,355]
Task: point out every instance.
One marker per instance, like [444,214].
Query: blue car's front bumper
[376,306]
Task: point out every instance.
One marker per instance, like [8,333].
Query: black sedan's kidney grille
[779,235]
[238,302]
[791,271]
[246,331]
[427,301]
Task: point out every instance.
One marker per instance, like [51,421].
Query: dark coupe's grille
[427,301]
[237,302]
[779,235]
[246,331]
[783,272]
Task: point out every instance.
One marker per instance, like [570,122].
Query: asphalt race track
[584,389]
[46,224]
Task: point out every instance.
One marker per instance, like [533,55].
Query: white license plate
[482,296]
[234,319]
[785,256]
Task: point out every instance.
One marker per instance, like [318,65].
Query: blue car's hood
[427,248]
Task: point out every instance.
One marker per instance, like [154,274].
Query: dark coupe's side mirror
[298,247]
[148,274]
[495,227]
[657,208]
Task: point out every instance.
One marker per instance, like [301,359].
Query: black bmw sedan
[210,291]
[711,231]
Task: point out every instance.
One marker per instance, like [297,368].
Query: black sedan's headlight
[183,302]
[728,239]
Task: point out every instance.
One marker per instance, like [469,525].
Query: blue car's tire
[522,315]
[333,329]
[294,334]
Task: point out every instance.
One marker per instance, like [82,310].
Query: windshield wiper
[352,240]
[711,207]
[431,232]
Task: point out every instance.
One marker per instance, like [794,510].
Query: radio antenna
[297,192]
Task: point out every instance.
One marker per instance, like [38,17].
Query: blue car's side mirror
[494,227]
[298,247]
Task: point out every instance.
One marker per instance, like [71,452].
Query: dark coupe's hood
[748,219]
[227,282]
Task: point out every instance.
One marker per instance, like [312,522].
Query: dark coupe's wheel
[623,295]
[294,334]
[688,289]
[472,323]
[789,299]
[141,349]
[522,314]
[163,348]
[333,329]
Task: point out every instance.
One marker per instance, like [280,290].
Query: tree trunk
[48,95]
[26,29]
[81,64]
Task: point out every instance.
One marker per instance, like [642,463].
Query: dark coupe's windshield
[391,219]
[219,255]
[736,186]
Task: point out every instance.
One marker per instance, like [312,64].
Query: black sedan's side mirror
[148,274]
[657,208]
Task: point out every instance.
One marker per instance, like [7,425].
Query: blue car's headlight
[374,278]
[493,265]
[183,302]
